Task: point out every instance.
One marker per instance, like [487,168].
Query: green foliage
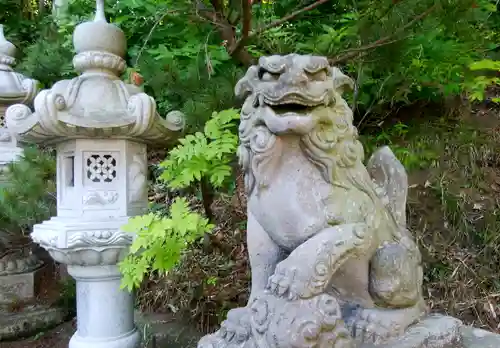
[67,296]
[21,19]
[404,57]
[404,51]
[48,68]
[477,85]
[413,153]
[160,241]
[204,155]
[27,195]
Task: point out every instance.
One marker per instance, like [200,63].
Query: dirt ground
[55,338]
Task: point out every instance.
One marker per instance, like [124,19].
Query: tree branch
[226,31]
[363,50]
[246,8]
[287,18]
[236,47]
[216,5]
[280,21]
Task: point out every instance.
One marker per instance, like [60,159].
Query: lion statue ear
[245,86]
[341,81]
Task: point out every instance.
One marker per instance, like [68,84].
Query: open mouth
[292,104]
[291,108]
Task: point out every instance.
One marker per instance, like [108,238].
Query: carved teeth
[256,102]
[261,100]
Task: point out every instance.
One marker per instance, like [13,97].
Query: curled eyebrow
[316,64]
[313,69]
[274,68]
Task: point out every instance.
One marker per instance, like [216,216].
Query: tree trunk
[60,8]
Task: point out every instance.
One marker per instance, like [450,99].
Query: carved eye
[265,75]
[320,75]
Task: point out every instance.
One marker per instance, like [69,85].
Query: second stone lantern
[100,126]
[14,88]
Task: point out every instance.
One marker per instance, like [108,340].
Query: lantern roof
[97,103]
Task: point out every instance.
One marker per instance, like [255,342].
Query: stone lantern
[14,88]
[17,264]
[100,127]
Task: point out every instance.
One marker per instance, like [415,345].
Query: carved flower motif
[59,102]
[101,234]
[308,333]
[329,308]
[260,315]
[262,139]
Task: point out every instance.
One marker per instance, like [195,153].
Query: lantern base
[130,340]
[105,312]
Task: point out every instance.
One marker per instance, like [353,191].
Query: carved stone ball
[101,37]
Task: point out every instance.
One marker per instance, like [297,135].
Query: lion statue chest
[292,201]
[290,204]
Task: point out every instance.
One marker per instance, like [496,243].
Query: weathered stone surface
[390,182]
[29,321]
[477,338]
[333,263]
[435,331]
[15,287]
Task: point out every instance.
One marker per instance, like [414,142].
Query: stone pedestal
[105,313]
[101,127]
[92,250]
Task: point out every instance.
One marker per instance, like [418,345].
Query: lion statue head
[299,95]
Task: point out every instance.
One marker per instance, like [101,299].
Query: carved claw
[308,269]
[285,282]
[236,328]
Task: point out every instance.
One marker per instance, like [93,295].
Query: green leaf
[161,244]
[485,64]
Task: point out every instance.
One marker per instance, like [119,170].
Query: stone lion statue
[333,264]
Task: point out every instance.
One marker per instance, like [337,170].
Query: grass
[453,210]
